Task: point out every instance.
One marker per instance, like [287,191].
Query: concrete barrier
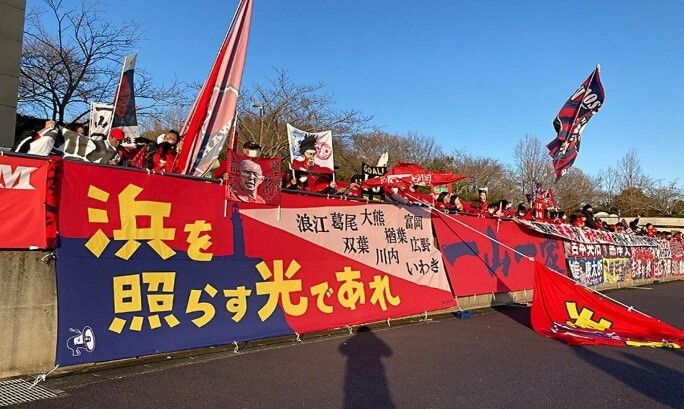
[28,313]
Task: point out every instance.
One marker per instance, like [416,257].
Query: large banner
[23,185]
[155,263]
[478,257]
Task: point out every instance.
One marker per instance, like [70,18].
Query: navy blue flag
[572,119]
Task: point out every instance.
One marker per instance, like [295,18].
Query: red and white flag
[311,151]
[566,310]
[208,125]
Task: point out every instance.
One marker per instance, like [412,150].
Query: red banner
[253,180]
[166,263]
[567,311]
[23,185]
[478,254]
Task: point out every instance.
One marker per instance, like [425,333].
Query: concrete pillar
[12,13]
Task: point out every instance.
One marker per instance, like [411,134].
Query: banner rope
[42,377]
[298,339]
[351,331]
[237,347]
[524,256]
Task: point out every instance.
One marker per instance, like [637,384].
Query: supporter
[523,212]
[588,213]
[493,211]
[354,188]
[506,208]
[441,202]
[157,156]
[650,230]
[81,130]
[289,182]
[251,149]
[455,203]
[577,220]
[481,204]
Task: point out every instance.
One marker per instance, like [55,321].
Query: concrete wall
[28,313]
[12,14]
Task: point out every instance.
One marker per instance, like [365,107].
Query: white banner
[311,151]
[100,120]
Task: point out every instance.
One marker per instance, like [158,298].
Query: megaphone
[82,340]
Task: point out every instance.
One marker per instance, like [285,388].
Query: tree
[72,56]
[484,172]
[424,150]
[630,173]
[575,189]
[265,109]
[531,163]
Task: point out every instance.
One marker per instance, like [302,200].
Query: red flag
[207,128]
[404,174]
[566,310]
[253,180]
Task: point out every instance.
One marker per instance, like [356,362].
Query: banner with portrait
[143,269]
[253,180]
[125,114]
[311,151]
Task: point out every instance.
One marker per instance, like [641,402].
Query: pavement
[493,359]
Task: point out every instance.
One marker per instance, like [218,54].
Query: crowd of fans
[160,155]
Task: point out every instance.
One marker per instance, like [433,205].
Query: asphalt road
[491,360]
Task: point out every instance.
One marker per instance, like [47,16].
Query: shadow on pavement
[654,380]
[521,315]
[365,383]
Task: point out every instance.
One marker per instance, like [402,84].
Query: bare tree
[412,147]
[72,56]
[630,173]
[531,163]
[575,189]
[484,172]
[265,109]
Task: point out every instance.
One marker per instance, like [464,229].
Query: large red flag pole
[208,126]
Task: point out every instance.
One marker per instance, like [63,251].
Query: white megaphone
[82,340]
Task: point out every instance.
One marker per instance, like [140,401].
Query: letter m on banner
[23,190]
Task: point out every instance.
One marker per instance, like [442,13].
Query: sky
[475,75]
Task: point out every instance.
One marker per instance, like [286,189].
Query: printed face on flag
[311,152]
[253,180]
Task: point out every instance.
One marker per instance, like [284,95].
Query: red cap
[117,134]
